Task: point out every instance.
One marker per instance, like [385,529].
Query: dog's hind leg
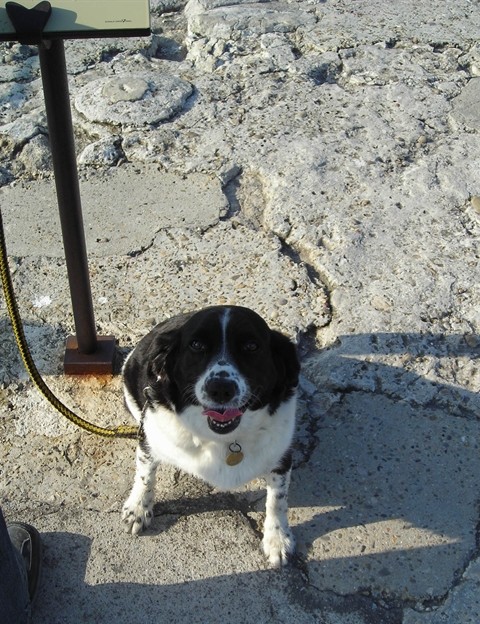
[138,508]
[278,541]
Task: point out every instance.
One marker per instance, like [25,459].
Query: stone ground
[317,161]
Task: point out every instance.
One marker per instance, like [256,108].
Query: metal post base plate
[100,362]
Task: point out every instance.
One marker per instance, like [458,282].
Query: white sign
[86,18]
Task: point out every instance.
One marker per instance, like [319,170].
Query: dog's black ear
[162,342]
[284,354]
[158,386]
[160,354]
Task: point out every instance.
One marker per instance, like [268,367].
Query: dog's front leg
[138,508]
[278,541]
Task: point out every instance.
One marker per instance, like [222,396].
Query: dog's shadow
[192,497]
[167,512]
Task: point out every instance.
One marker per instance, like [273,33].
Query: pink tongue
[228,414]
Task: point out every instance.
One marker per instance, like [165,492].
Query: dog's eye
[198,346]
[250,347]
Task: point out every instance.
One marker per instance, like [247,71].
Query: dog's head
[225,360]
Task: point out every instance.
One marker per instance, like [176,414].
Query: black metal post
[86,352]
[57,103]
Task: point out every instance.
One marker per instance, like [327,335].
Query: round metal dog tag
[235,456]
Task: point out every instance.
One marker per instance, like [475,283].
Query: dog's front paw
[278,545]
[136,516]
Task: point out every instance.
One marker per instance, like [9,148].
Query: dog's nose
[221,390]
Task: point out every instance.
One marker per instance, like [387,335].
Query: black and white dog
[215,394]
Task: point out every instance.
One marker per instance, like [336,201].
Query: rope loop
[121,431]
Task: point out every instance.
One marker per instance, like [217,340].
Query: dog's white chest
[226,462]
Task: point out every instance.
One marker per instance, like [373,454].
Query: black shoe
[26,539]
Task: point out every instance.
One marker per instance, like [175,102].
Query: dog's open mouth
[223,421]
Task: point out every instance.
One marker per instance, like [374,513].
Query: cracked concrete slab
[324,170]
[462,604]
[146,199]
[391,505]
